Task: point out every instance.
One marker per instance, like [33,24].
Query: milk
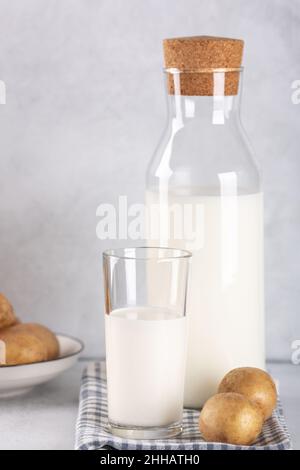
[145,358]
[225,295]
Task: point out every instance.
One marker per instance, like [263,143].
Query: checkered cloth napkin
[92,433]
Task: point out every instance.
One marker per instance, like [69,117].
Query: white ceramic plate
[19,379]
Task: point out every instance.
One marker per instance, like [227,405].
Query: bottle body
[204,195]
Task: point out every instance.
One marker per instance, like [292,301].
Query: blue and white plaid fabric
[91,432]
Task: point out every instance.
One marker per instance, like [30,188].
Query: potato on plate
[7,315]
[21,347]
[27,343]
[46,336]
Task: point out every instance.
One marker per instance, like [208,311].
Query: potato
[7,316]
[21,347]
[231,418]
[43,334]
[254,384]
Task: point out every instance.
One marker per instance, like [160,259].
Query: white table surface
[45,418]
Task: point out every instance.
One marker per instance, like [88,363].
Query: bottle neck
[208,110]
[207,96]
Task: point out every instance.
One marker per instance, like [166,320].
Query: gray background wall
[85,108]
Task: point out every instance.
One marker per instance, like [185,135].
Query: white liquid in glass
[145,358]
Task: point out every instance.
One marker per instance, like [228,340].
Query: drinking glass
[145,332]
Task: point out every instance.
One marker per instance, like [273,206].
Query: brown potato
[7,316]
[21,347]
[43,334]
[231,418]
[254,384]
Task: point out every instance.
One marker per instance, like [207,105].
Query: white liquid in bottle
[225,294]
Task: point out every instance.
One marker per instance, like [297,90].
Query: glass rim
[127,253]
[175,70]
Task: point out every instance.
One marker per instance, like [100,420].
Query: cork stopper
[195,57]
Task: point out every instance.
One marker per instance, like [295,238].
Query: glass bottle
[204,195]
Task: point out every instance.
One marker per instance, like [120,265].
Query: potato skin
[230,418]
[22,347]
[253,383]
[7,316]
[44,335]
